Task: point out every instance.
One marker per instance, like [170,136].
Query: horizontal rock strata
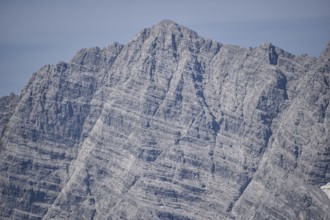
[169,126]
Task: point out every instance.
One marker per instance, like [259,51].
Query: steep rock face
[7,107]
[170,126]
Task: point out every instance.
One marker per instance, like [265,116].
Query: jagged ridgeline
[169,126]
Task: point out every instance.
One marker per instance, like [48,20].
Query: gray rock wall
[170,126]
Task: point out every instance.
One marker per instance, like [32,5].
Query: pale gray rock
[170,126]
[7,107]
[326,189]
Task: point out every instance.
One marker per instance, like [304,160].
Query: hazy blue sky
[38,32]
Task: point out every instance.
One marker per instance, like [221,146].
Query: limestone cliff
[170,126]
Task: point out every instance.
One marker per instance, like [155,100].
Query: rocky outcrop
[170,126]
[326,189]
[7,107]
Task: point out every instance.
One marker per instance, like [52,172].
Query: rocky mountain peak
[169,34]
[170,27]
[167,25]
[164,126]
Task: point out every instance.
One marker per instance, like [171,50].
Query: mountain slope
[170,126]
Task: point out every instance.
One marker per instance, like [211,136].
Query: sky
[38,32]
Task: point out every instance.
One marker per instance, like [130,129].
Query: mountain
[169,126]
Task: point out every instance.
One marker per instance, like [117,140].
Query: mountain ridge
[164,126]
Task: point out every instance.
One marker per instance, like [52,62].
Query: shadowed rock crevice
[272,55]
